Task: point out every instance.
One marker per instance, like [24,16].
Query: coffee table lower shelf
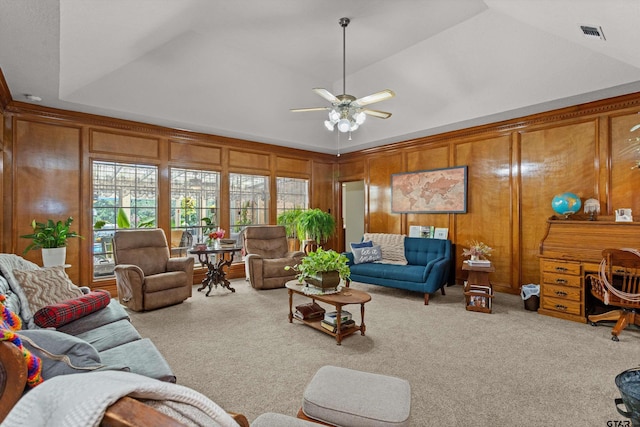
[317,324]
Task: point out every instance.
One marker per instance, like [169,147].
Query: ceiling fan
[347,112]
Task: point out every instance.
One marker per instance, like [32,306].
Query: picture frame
[441,233]
[430,191]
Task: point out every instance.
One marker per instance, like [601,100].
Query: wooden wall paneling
[46,162]
[378,193]
[488,217]
[248,160]
[322,196]
[625,156]
[351,171]
[195,153]
[292,166]
[427,158]
[7,184]
[2,151]
[111,142]
[554,160]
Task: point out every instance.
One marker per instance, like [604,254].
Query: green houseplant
[48,236]
[316,225]
[323,269]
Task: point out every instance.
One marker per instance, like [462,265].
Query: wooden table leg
[339,324]
[290,306]
[363,328]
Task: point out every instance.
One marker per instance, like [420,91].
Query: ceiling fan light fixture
[329,125]
[344,125]
[360,117]
[334,116]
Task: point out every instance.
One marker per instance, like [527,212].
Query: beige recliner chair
[146,277]
[267,254]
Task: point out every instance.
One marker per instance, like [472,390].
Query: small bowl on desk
[200,247]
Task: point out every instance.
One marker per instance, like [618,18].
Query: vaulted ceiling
[236,67]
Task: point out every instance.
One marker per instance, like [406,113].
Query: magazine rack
[478,291]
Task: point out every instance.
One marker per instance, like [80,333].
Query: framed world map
[430,191]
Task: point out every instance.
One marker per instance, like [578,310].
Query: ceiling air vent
[592,32]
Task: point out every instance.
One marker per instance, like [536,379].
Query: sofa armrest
[436,272]
[349,256]
[13,377]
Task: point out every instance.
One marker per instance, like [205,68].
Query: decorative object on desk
[441,233]
[477,250]
[624,215]
[592,208]
[322,269]
[566,204]
[215,236]
[51,237]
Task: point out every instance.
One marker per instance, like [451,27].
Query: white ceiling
[236,67]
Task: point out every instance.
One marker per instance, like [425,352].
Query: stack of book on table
[309,311]
[330,321]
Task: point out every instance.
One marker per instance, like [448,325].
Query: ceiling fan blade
[378,114]
[302,110]
[376,97]
[327,95]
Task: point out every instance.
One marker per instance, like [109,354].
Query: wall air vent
[592,32]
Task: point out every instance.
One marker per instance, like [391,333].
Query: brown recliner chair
[146,277]
[267,254]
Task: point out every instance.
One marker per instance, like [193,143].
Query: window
[124,196]
[293,193]
[248,201]
[194,207]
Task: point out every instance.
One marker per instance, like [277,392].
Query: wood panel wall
[47,159]
[514,170]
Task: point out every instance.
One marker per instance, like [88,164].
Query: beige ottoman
[346,397]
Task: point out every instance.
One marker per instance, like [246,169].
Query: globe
[566,203]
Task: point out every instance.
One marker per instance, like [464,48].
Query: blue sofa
[428,268]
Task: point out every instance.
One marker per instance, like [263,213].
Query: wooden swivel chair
[618,284]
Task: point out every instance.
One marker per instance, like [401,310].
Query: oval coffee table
[344,297]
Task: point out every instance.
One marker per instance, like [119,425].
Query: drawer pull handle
[561,293]
[563,281]
[561,269]
[561,307]
[620,271]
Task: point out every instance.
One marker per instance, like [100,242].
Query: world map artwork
[439,190]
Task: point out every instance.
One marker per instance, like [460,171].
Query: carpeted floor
[509,368]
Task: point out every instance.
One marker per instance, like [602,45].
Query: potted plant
[315,225]
[322,269]
[51,237]
[477,250]
[289,219]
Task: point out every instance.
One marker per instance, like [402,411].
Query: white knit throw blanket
[8,263]
[80,400]
[392,246]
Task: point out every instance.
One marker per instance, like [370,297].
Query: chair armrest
[13,377]
[180,264]
[295,254]
[130,284]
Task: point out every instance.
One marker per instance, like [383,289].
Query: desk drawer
[561,267]
[562,292]
[562,279]
[562,306]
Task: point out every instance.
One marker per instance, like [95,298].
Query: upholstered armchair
[267,255]
[146,277]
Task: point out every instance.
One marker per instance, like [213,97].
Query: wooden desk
[569,250]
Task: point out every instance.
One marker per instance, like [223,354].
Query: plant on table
[477,250]
[320,261]
[216,235]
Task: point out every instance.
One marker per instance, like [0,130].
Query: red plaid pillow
[56,315]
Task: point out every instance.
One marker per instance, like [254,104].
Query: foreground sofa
[426,268]
[92,329]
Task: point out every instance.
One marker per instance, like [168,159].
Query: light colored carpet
[509,368]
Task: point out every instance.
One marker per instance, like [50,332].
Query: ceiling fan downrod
[343,23]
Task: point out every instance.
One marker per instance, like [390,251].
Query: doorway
[352,212]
